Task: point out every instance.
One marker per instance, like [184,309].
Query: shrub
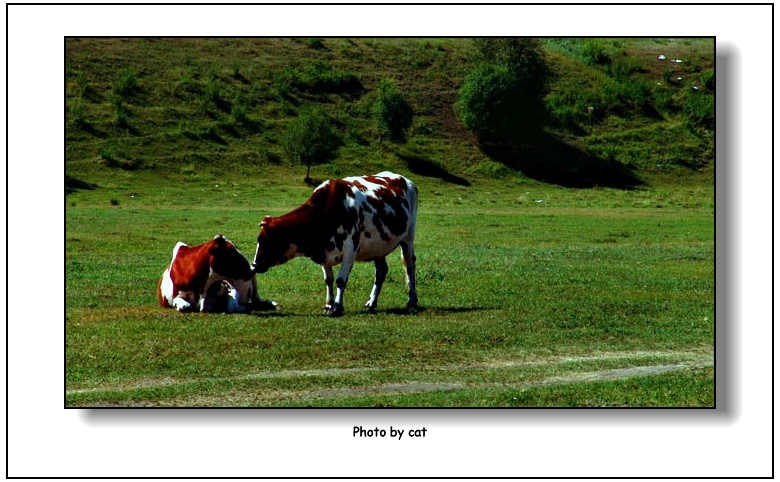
[708,79]
[76,112]
[121,113]
[698,110]
[125,83]
[594,53]
[315,43]
[238,113]
[310,138]
[317,77]
[502,97]
[392,113]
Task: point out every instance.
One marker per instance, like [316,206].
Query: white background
[46,440]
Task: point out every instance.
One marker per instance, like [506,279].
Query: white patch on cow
[176,250]
[371,188]
[213,278]
[241,294]
[166,287]
[184,301]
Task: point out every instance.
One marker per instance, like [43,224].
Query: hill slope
[149,110]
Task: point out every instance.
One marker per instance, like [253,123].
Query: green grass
[533,294]
[515,282]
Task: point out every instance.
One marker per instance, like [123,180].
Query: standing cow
[346,220]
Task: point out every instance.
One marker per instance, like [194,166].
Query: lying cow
[347,220]
[210,277]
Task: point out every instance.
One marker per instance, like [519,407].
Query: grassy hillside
[196,109]
[574,270]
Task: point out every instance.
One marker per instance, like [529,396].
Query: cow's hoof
[334,311]
[265,305]
[412,308]
[368,308]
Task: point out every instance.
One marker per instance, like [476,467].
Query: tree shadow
[551,160]
[310,181]
[425,167]
[72,185]
[90,129]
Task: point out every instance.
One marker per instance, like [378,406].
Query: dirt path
[682,360]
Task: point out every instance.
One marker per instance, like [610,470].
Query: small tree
[502,97]
[310,138]
[392,112]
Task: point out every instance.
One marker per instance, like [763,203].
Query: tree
[310,138]
[502,97]
[392,112]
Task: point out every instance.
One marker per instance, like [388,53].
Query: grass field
[523,304]
[532,294]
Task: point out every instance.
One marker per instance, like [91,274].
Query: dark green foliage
[125,83]
[121,113]
[708,80]
[698,110]
[392,113]
[502,97]
[76,112]
[310,138]
[315,43]
[318,77]
[594,53]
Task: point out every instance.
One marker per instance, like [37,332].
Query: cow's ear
[265,222]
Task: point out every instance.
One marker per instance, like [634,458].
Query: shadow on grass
[434,310]
[551,160]
[72,185]
[269,314]
[426,167]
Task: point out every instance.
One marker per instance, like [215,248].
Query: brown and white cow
[346,220]
[209,277]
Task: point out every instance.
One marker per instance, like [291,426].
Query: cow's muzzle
[258,269]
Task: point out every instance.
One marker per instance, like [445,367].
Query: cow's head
[273,247]
[226,260]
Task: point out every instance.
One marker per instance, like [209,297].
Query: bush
[392,113]
[310,138]
[708,79]
[317,77]
[698,110]
[502,97]
[594,53]
[315,43]
[125,83]
[121,113]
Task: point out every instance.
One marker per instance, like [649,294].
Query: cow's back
[386,210]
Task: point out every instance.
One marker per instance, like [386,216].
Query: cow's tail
[413,195]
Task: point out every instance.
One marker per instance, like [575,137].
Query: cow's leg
[255,302]
[185,301]
[409,259]
[328,272]
[341,286]
[380,273]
